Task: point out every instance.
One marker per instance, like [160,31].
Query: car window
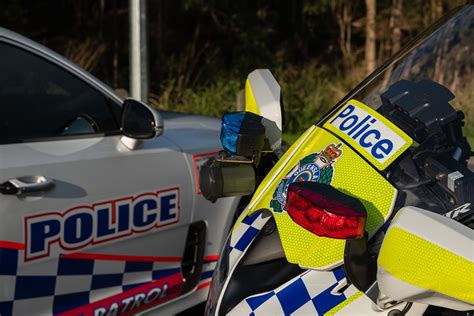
[39,99]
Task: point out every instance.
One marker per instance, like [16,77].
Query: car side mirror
[427,258]
[139,121]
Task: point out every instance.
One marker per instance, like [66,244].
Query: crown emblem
[332,152]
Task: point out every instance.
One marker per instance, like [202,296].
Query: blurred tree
[202,50]
[395,25]
[344,20]
[370,36]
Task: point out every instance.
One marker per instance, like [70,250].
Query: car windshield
[443,54]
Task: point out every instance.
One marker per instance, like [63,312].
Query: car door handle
[26,184]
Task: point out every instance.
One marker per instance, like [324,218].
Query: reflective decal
[81,226]
[86,284]
[459,211]
[349,173]
[134,300]
[310,293]
[317,167]
[415,260]
[372,135]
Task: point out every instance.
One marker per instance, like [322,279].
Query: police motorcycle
[370,211]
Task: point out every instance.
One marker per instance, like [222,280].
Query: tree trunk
[395,25]
[115,66]
[436,10]
[344,21]
[370,36]
[394,42]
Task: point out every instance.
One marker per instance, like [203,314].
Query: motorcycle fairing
[319,155]
[311,293]
[412,254]
[247,228]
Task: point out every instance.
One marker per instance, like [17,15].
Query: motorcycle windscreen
[321,156]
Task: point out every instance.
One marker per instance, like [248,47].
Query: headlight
[218,279]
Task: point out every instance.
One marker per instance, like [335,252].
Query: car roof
[11,36]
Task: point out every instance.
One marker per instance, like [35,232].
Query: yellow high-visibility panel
[424,264]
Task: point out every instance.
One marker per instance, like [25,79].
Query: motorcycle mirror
[263,97]
[427,258]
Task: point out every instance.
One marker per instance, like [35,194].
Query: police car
[101,212]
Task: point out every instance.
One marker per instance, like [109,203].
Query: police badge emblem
[317,167]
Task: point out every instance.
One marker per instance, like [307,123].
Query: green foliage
[201,51]
[213,99]
[464,101]
[310,90]
[306,93]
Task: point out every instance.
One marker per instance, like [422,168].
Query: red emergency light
[325,211]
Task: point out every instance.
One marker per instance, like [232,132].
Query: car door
[99,227]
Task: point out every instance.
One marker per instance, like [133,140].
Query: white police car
[101,212]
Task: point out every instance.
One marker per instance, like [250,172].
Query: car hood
[192,133]
[178,120]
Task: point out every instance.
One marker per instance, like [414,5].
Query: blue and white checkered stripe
[244,233]
[311,293]
[60,284]
[207,272]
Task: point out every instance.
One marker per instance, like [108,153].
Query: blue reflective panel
[230,128]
